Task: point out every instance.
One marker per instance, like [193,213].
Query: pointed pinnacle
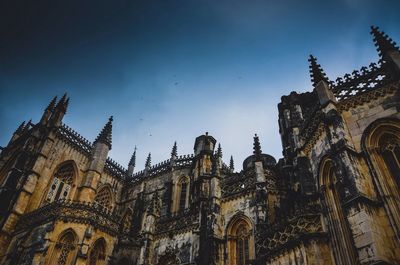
[174,152]
[257,147]
[317,74]
[20,128]
[219,151]
[52,104]
[382,41]
[132,162]
[61,102]
[231,164]
[148,161]
[105,136]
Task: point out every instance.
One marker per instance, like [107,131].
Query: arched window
[97,253]
[65,247]
[390,150]
[340,232]
[104,197]
[381,142]
[240,241]
[62,182]
[242,245]
[183,195]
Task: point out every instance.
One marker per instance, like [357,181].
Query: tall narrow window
[242,245]
[97,254]
[62,182]
[338,227]
[183,195]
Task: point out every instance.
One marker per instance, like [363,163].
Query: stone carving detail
[72,211]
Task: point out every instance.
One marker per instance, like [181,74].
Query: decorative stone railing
[72,211]
[359,81]
[183,160]
[302,222]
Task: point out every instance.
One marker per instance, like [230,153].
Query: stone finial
[132,162]
[382,41]
[257,147]
[316,72]
[105,135]
[174,152]
[148,161]
[231,164]
[219,151]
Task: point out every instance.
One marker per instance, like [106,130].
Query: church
[334,197]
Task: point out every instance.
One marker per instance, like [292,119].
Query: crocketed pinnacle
[132,162]
[148,161]
[231,164]
[52,104]
[382,41]
[219,151]
[257,147]
[174,152]
[105,135]
[316,72]
[20,128]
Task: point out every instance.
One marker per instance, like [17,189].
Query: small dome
[267,160]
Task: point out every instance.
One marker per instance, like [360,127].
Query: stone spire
[63,103]
[106,134]
[316,72]
[257,147]
[132,163]
[174,152]
[382,41]
[231,164]
[219,151]
[20,128]
[52,104]
[59,111]
[148,162]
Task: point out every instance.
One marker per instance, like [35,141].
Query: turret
[320,82]
[132,163]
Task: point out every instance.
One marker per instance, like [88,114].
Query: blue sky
[172,70]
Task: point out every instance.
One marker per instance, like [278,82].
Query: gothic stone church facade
[334,197]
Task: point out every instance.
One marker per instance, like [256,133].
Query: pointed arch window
[183,195]
[390,150]
[240,241]
[62,183]
[242,245]
[65,248]
[104,198]
[97,253]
